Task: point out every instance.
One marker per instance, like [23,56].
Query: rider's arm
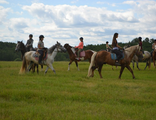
[119,46]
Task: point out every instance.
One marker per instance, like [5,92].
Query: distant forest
[7,49]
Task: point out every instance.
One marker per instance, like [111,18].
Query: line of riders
[115,47]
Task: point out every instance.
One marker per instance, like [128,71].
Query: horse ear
[57,42]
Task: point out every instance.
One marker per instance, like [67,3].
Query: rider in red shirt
[80,47]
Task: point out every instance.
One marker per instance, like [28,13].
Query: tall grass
[70,95]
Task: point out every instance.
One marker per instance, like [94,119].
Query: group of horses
[96,59]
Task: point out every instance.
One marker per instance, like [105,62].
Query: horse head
[60,47]
[20,46]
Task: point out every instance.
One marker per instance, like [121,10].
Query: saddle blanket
[82,54]
[114,57]
[36,56]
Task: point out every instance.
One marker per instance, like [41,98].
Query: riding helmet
[107,42]
[140,38]
[30,35]
[41,36]
[81,38]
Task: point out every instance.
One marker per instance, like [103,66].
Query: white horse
[32,57]
[146,57]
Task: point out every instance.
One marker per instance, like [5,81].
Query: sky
[66,21]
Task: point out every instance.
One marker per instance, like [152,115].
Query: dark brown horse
[104,57]
[72,55]
[154,56]
[21,47]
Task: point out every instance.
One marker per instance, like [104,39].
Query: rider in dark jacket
[29,44]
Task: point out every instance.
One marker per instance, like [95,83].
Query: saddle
[114,56]
[37,54]
[81,54]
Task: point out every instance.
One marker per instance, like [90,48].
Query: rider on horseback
[108,48]
[80,47]
[140,44]
[29,44]
[153,46]
[41,48]
[116,49]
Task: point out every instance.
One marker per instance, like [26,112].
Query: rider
[116,48]
[153,46]
[140,44]
[108,48]
[80,47]
[29,44]
[41,48]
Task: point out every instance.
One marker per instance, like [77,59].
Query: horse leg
[37,68]
[99,69]
[30,65]
[69,65]
[93,68]
[153,62]
[41,67]
[77,65]
[51,67]
[146,65]
[46,70]
[133,64]
[121,70]
[137,65]
[129,68]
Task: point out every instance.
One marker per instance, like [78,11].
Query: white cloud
[4,12]
[3,2]
[66,23]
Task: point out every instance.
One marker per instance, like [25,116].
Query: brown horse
[104,57]
[154,56]
[72,55]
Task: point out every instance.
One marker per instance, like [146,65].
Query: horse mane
[51,49]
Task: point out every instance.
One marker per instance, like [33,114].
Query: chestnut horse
[72,55]
[154,55]
[104,57]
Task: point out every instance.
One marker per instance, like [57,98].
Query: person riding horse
[116,48]
[41,48]
[153,46]
[108,48]
[140,44]
[80,48]
[29,44]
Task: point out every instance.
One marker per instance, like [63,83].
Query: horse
[138,57]
[48,60]
[21,47]
[84,55]
[154,56]
[146,57]
[104,57]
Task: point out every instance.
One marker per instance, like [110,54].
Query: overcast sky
[68,20]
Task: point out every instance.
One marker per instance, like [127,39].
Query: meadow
[71,95]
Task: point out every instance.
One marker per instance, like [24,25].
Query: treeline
[7,49]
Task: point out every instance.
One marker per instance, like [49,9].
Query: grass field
[70,95]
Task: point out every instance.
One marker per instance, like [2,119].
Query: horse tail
[91,64]
[24,66]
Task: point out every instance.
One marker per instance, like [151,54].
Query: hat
[81,38]
[30,35]
[41,36]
